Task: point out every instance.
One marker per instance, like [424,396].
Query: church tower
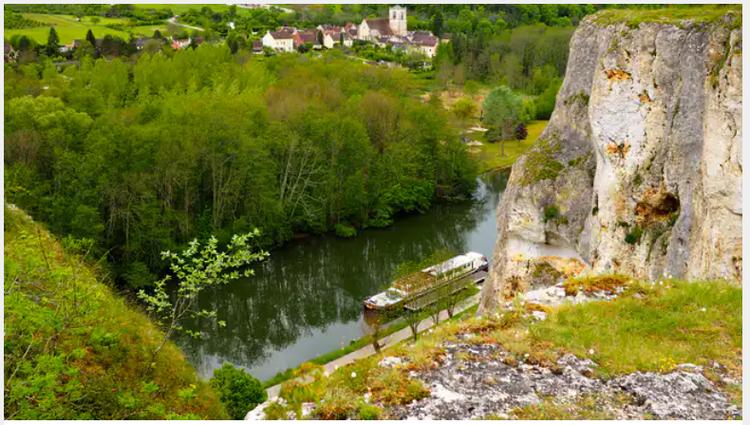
[397,20]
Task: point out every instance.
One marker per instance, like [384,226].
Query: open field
[69,29]
[178,9]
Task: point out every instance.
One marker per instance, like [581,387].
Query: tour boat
[471,266]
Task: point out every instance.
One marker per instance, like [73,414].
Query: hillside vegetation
[76,350]
[675,14]
[143,156]
[650,327]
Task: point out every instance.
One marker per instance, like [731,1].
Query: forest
[133,159]
[132,153]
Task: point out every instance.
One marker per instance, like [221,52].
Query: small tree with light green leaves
[200,266]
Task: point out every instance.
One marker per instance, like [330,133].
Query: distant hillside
[75,350]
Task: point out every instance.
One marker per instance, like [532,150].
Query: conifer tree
[53,42]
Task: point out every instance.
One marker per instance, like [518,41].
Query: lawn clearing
[489,153]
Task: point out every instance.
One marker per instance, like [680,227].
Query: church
[394,24]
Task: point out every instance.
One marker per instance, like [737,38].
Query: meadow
[69,28]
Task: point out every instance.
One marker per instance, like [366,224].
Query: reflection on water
[306,300]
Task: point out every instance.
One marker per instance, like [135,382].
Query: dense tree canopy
[142,157]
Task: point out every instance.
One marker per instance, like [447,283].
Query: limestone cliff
[639,169]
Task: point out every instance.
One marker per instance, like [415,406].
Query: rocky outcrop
[639,169]
[474,382]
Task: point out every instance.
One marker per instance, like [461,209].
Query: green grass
[489,156]
[333,355]
[75,350]
[180,9]
[588,407]
[68,29]
[679,322]
[674,15]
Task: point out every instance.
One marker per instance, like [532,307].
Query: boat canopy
[468,260]
[383,299]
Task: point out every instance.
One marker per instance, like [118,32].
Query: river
[306,300]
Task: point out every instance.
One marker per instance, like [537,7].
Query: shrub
[521,132]
[368,412]
[464,108]
[634,236]
[393,387]
[239,391]
[551,212]
[339,403]
[595,283]
[276,411]
[345,230]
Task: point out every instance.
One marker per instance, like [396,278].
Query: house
[331,35]
[66,48]
[351,29]
[282,40]
[306,37]
[424,42]
[394,24]
[347,39]
[178,44]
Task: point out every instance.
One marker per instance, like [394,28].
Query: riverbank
[465,307]
[358,346]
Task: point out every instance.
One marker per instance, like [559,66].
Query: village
[383,32]
[389,33]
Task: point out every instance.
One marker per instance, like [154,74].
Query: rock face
[639,169]
[473,381]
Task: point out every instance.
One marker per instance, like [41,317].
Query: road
[173,21]
[386,342]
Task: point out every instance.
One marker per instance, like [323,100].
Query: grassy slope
[675,14]
[68,29]
[73,349]
[652,327]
